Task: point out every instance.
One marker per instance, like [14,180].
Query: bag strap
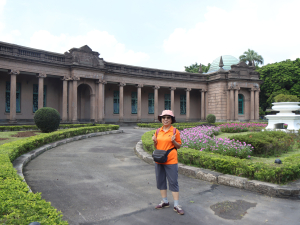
[157,131]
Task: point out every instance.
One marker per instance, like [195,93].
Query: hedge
[17,204]
[34,127]
[280,174]
[179,126]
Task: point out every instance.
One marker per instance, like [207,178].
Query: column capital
[156,87]
[139,85]
[41,75]
[101,82]
[203,90]
[172,88]
[188,89]
[14,72]
[66,78]
[75,78]
[122,84]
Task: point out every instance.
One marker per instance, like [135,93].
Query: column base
[13,121]
[75,121]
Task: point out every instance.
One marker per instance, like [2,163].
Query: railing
[54,58]
[28,53]
[6,49]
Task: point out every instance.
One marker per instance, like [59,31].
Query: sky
[163,34]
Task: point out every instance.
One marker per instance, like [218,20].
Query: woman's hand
[154,139]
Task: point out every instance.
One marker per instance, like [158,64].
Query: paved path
[101,181]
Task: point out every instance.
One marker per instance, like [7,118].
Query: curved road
[101,181]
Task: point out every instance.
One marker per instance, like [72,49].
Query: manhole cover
[232,210]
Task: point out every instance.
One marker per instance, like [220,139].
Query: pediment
[243,64]
[86,48]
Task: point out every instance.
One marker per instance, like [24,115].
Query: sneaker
[179,210]
[162,205]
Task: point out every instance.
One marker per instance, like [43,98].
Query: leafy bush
[286,98]
[17,205]
[211,118]
[179,126]
[268,143]
[203,139]
[288,171]
[241,127]
[47,119]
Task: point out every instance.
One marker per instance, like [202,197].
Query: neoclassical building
[84,87]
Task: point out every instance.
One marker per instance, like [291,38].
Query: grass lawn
[269,160]
[8,136]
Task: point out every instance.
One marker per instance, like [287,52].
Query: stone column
[100,105]
[236,105]
[41,77]
[231,104]
[187,104]
[251,105]
[70,100]
[13,95]
[172,99]
[156,103]
[74,100]
[121,103]
[139,102]
[202,105]
[256,107]
[228,106]
[93,103]
[65,99]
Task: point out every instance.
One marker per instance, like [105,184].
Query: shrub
[17,204]
[288,171]
[267,143]
[286,98]
[47,119]
[241,127]
[211,118]
[203,139]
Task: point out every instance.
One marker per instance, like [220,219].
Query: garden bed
[17,204]
[274,173]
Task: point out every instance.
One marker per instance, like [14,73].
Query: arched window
[241,104]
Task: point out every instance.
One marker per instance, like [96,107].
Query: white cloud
[100,41]
[268,27]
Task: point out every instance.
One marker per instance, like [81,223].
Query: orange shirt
[164,142]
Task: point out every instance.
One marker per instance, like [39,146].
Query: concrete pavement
[101,181]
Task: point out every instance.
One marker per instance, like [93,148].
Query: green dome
[228,60]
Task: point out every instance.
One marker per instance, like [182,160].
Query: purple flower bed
[203,138]
[241,127]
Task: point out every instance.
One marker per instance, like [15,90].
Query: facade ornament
[156,87]
[42,75]
[66,78]
[122,84]
[76,78]
[221,64]
[14,72]
[200,69]
[139,85]
[101,81]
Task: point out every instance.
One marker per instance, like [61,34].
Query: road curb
[22,160]
[269,189]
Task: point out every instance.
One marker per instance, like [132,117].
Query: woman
[165,139]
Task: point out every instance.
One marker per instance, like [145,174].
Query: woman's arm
[177,145]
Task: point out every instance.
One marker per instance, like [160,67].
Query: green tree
[251,56]
[194,68]
[279,78]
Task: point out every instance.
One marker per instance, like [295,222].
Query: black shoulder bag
[161,156]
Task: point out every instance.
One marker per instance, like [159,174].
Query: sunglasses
[166,117]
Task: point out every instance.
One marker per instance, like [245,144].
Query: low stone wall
[269,189]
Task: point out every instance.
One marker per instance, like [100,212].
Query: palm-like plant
[251,56]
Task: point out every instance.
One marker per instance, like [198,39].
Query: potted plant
[285,104]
